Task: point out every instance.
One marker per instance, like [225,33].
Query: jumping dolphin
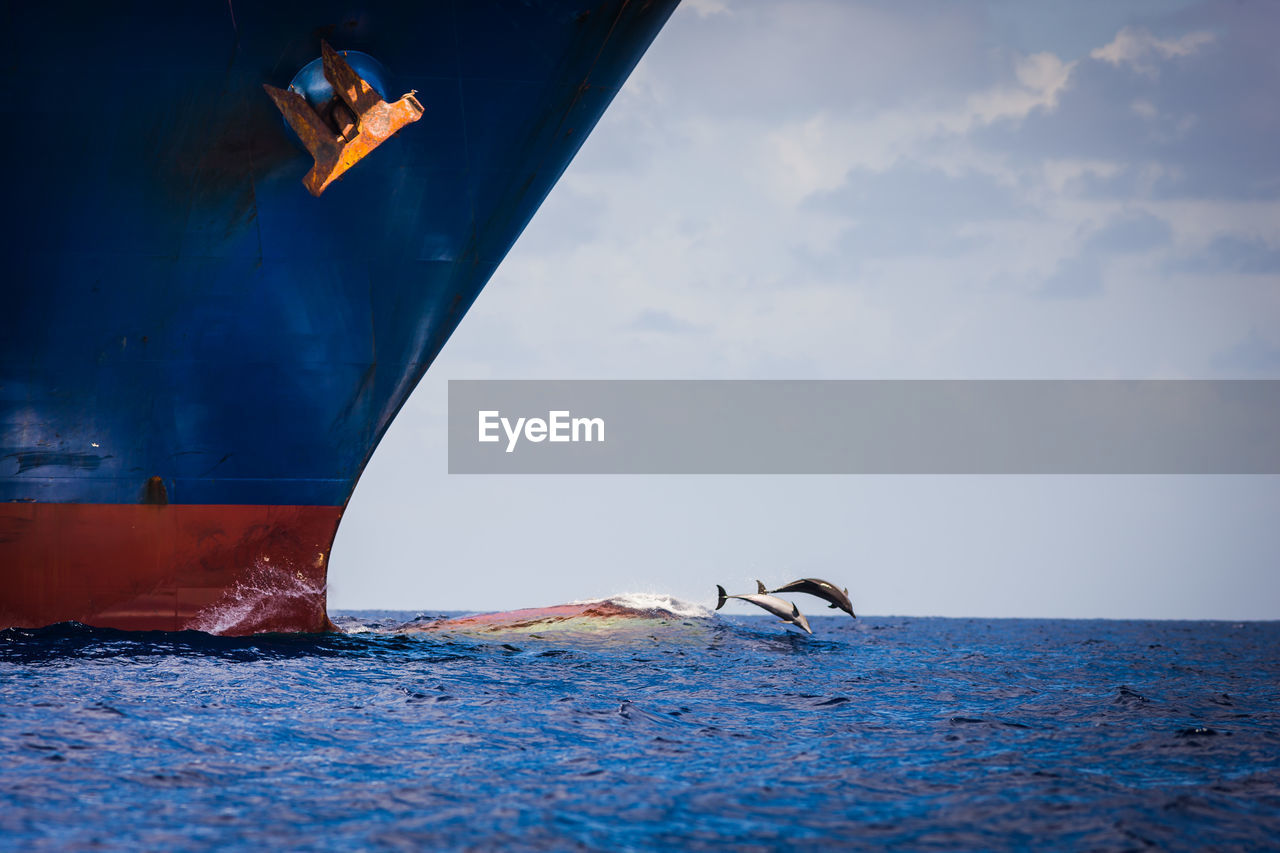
[784,610]
[825,590]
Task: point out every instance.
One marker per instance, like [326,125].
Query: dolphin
[825,590]
[784,610]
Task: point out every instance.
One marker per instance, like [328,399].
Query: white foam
[654,601]
[267,590]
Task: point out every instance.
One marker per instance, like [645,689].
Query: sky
[877,190]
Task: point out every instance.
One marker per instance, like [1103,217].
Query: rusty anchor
[363,121]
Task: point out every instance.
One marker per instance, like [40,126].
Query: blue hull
[179,306]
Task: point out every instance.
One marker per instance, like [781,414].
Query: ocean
[653,724]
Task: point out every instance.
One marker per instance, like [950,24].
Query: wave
[649,603]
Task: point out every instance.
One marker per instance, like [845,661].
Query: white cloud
[1144,109]
[816,154]
[1140,50]
[707,8]
[1060,172]
[1043,73]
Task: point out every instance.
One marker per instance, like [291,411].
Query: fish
[826,590]
[784,610]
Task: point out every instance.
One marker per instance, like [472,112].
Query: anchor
[363,120]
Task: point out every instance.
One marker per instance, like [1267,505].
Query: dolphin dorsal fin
[761,589]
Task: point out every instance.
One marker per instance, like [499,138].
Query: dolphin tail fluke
[723,595]
[760,588]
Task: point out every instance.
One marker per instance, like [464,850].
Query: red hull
[222,569]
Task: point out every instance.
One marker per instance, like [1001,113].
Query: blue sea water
[675,728]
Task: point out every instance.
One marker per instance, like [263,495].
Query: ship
[228,269]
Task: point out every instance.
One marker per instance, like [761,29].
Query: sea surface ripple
[665,727]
